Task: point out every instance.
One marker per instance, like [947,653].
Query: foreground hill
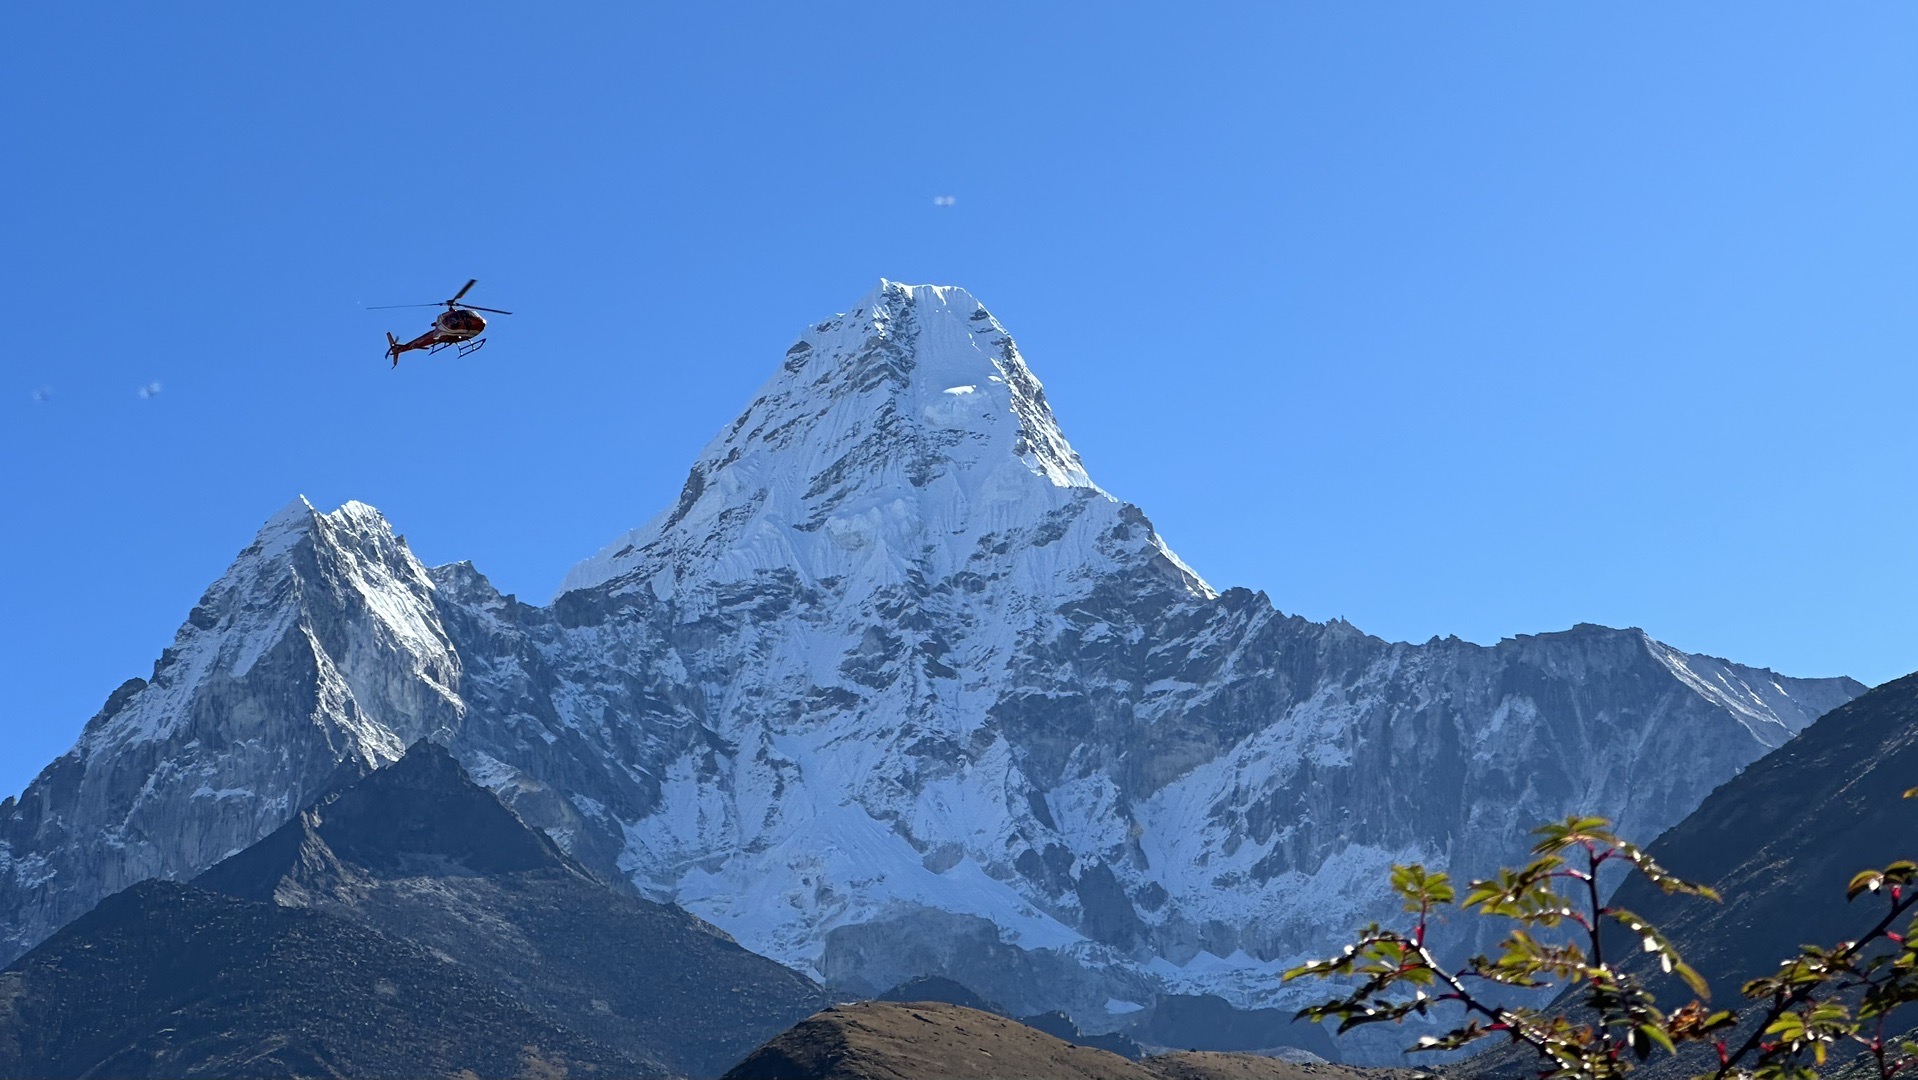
[407,924]
[895,689]
[930,1040]
[170,980]
[418,852]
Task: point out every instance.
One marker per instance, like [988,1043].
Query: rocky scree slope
[894,689]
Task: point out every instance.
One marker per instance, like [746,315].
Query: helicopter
[460,325]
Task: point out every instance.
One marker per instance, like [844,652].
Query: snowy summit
[900,431]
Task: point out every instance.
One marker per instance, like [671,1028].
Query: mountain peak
[889,292]
[422,809]
[909,423]
[352,573]
[351,522]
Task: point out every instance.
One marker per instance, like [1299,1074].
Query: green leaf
[1789,1027]
[1692,978]
[1654,942]
[1421,887]
[1657,1034]
[1667,881]
[1559,835]
[1865,881]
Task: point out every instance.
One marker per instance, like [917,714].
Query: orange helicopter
[459,325]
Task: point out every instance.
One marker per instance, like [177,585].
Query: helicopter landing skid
[466,348]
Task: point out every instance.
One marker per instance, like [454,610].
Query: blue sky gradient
[1475,320]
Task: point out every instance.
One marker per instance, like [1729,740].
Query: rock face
[894,689]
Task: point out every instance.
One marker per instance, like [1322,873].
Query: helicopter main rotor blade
[389,307]
[494,310]
[463,290]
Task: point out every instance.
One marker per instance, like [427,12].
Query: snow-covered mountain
[893,689]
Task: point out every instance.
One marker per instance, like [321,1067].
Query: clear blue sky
[1480,319]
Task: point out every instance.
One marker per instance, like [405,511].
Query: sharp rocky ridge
[894,689]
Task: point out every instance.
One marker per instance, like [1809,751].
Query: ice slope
[895,689]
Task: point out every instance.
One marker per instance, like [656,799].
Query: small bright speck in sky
[1477,319]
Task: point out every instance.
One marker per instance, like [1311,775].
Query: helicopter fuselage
[451,327]
[459,324]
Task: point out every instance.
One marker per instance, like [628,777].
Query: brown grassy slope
[1212,1065]
[929,1040]
[884,1040]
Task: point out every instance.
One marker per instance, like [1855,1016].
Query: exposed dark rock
[938,988]
[1209,1022]
[1060,1026]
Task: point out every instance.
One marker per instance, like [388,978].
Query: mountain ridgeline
[893,689]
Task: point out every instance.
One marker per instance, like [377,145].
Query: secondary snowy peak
[905,428]
[290,592]
[319,649]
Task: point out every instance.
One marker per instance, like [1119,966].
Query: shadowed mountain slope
[170,980]
[419,852]
[1781,840]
